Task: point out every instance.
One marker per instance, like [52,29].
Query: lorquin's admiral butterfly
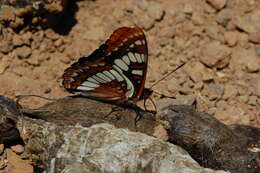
[116,71]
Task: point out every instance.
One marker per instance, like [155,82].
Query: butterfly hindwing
[115,71]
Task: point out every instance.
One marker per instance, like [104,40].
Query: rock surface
[104,148]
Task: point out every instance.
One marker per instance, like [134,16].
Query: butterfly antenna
[168,74]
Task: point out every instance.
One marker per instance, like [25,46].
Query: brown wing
[116,71]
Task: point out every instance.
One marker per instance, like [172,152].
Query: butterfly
[114,72]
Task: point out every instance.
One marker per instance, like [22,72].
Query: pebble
[4,63]
[6,46]
[252,63]
[16,164]
[249,23]
[230,91]
[243,40]
[155,11]
[197,18]
[23,52]
[254,37]
[224,16]
[1,148]
[173,86]
[195,70]
[179,18]
[257,50]
[51,34]
[217,4]
[27,37]
[17,40]
[257,87]
[231,38]
[18,149]
[215,54]
[213,31]
[213,91]
[243,98]
[252,100]
[221,104]
[187,8]
[7,13]
[3,163]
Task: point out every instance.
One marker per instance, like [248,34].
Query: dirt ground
[218,39]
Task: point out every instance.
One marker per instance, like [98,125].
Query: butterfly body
[116,71]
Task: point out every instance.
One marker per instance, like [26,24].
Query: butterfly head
[146,93]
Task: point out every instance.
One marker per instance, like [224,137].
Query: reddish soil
[218,39]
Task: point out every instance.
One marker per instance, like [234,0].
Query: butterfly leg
[113,113]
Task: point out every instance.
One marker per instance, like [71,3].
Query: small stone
[195,70]
[1,148]
[58,42]
[23,52]
[4,63]
[3,164]
[17,40]
[217,4]
[6,46]
[224,16]
[231,115]
[7,13]
[254,37]
[257,50]
[231,38]
[243,40]
[187,99]
[161,133]
[18,149]
[197,18]
[185,89]
[252,100]
[253,63]
[16,164]
[208,74]
[230,91]
[213,91]
[257,87]
[173,86]
[179,18]
[51,34]
[155,11]
[214,32]
[198,86]
[221,105]
[27,37]
[243,98]
[215,54]
[187,8]
[249,23]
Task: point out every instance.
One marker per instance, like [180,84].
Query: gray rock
[104,148]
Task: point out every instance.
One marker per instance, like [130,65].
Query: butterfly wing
[116,71]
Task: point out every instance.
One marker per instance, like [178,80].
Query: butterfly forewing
[115,71]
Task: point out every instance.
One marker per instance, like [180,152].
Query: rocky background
[218,39]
